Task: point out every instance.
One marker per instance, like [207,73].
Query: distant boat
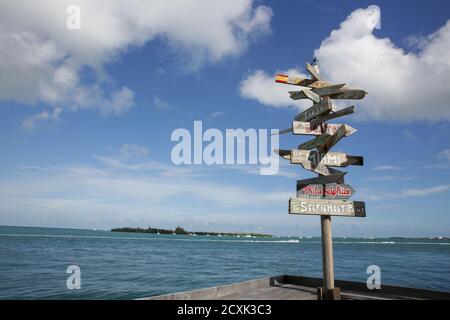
[248,236]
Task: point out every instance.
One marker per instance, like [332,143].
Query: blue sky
[86,115]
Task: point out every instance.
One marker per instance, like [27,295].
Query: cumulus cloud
[261,86]
[45,116]
[403,86]
[41,60]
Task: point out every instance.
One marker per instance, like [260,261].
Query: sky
[87,115]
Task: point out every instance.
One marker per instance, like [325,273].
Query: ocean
[33,262]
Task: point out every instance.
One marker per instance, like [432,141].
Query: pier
[289,287]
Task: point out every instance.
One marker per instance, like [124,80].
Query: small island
[181,231]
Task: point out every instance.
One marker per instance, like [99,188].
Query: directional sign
[313,72]
[305,128]
[321,119]
[297,81]
[304,94]
[350,94]
[316,142]
[327,207]
[310,83]
[332,140]
[333,159]
[317,168]
[333,178]
[323,107]
[325,191]
[315,161]
[329,90]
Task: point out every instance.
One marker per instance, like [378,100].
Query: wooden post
[327,253]
[328,291]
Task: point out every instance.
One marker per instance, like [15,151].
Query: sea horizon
[237,231]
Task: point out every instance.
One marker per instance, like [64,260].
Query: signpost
[305,128]
[327,207]
[334,159]
[317,109]
[325,191]
[321,119]
[325,195]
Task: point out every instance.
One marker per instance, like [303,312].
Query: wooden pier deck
[287,287]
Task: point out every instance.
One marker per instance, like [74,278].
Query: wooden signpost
[325,195]
[305,128]
[325,191]
[327,207]
[317,109]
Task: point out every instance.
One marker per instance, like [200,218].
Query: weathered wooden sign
[332,140]
[321,119]
[304,94]
[334,159]
[333,178]
[329,90]
[314,143]
[317,109]
[335,91]
[325,191]
[325,141]
[313,72]
[327,207]
[350,94]
[305,128]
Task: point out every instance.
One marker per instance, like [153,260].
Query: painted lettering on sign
[328,191]
[327,207]
[305,128]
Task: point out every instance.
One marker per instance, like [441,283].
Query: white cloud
[161,104]
[411,193]
[402,86]
[43,61]
[389,178]
[386,167]
[31,122]
[133,151]
[408,134]
[445,154]
[261,86]
[216,114]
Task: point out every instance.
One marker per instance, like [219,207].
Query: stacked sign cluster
[326,194]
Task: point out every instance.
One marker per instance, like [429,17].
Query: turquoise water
[33,262]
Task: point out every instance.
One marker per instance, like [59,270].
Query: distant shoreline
[181,231]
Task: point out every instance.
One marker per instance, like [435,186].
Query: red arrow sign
[327,191]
